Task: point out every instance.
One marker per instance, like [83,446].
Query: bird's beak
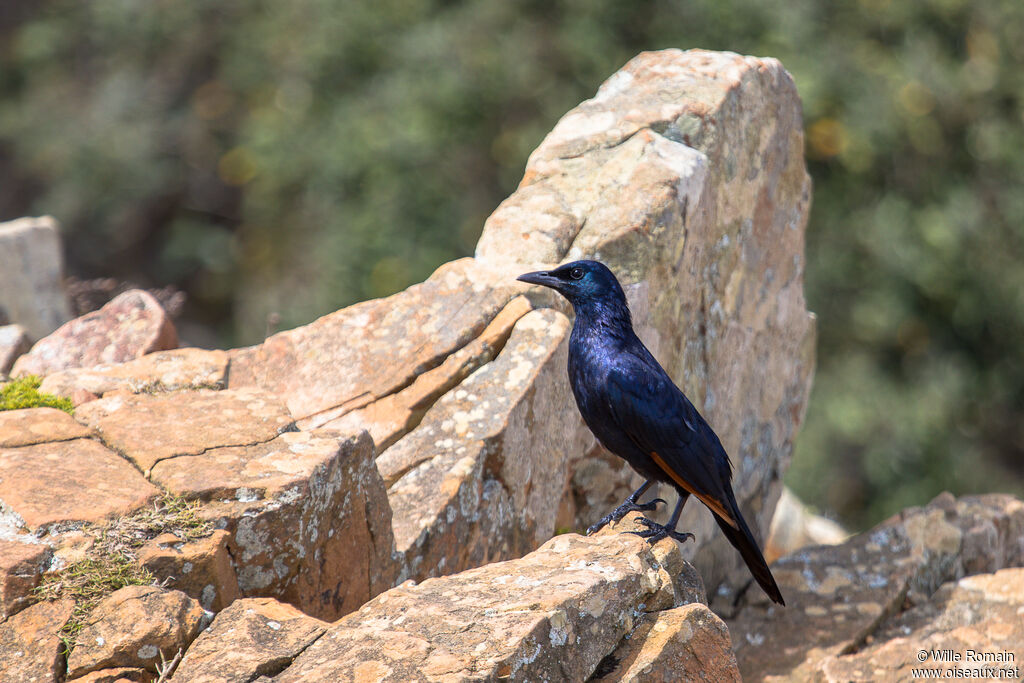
[540,277]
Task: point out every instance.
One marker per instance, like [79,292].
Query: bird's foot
[623,510]
[655,532]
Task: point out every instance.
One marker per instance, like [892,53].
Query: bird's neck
[602,322]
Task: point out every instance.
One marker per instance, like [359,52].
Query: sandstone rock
[552,615]
[253,637]
[69,481]
[31,290]
[201,568]
[132,626]
[152,373]
[20,567]
[838,596]
[479,480]
[308,514]
[117,675]
[30,644]
[795,527]
[352,357]
[688,643]
[394,415]
[131,325]
[685,175]
[31,426]
[14,341]
[976,620]
[148,428]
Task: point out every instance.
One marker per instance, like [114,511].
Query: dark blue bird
[637,412]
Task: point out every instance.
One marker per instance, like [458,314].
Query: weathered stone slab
[794,527]
[308,514]
[972,628]
[148,428]
[688,643]
[685,175]
[253,637]
[552,615]
[152,373]
[131,325]
[480,479]
[30,426]
[120,674]
[31,277]
[838,596]
[132,626]
[355,356]
[391,417]
[14,341]
[21,565]
[30,645]
[201,569]
[69,481]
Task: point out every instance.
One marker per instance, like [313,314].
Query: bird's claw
[623,510]
[655,532]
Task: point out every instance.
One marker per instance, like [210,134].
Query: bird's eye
[576,273]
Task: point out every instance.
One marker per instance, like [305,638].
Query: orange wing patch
[715,505]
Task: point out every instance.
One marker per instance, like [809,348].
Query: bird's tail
[745,543]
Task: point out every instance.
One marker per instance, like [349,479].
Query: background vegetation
[295,157]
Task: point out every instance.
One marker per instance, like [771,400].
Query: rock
[685,175]
[253,637]
[795,527]
[31,426]
[975,622]
[149,428]
[476,481]
[201,569]
[131,325]
[14,341]
[156,372]
[352,357]
[838,596]
[78,480]
[394,415]
[307,512]
[687,643]
[117,675]
[31,289]
[30,644]
[551,615]
[20,567]
[132,626]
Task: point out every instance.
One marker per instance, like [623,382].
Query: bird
[638,413]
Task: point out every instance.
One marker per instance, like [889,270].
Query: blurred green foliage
[293,158]
[24,393]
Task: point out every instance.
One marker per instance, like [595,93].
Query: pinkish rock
[308,514]
[121,674]
[132,627]
[131,325]
[148,428]
[352,357]
[69,481]
[30,643]
[31,426]
[253,637]
[21,565]
[201,569]
[688,643]
[155,372]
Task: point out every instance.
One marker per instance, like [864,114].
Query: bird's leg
[655,532]
[630,505]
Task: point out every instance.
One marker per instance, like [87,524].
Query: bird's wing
[647,406]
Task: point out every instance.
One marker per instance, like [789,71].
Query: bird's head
[580,282]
